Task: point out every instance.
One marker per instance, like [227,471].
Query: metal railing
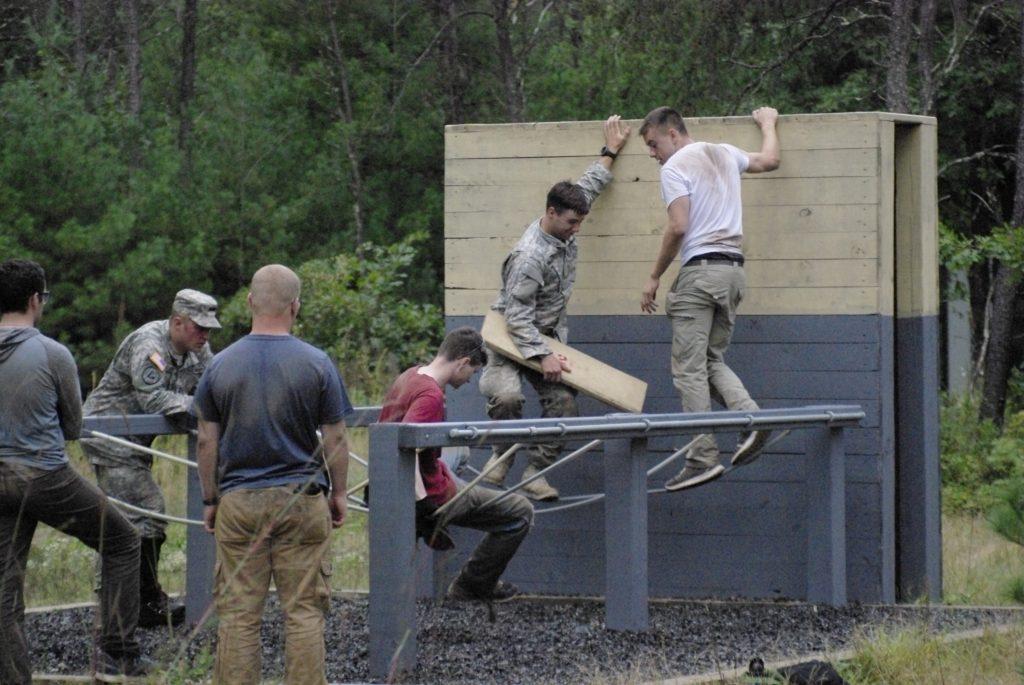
[200,550]
[393,564]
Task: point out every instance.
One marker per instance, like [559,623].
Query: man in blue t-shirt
[259,405]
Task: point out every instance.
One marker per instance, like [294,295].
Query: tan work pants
[702,306]
[263,534]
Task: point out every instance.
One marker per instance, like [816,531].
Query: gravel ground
[534,641]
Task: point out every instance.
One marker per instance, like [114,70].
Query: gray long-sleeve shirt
[537,279]
[40,399]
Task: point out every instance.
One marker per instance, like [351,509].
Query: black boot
[155,607]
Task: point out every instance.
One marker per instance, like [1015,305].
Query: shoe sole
[749,453]
[541,498]
[711,474]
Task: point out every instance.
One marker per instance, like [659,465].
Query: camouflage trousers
[264,534]
[702,306]
[502,384]
[136,486]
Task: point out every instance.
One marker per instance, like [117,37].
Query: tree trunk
[451,72]
[78,20]
[925,61]
[187,82]
[134,52]
[343,110]
[997,359]
[110,21]
[511,70]
[897,97]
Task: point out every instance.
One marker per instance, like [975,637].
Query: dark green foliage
[353,307]
[976,458]
[319,125]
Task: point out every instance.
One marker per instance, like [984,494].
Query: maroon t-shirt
[417,398]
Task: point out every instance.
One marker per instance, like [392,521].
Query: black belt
[309,489]
[708,257]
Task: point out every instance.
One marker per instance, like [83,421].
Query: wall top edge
[735,120]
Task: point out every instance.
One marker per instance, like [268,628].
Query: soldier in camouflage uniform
[536,282]
[155,371]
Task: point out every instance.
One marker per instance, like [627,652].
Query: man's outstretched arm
[768,158]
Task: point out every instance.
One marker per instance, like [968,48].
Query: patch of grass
[913,657]
[978,566]
[61,570]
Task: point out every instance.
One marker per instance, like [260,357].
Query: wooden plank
[642,194]
[588,375]
[484,252]
[582,139]
[762,301]
[886,219]
[786,273]
[507,171]
[610,220]
[917,290]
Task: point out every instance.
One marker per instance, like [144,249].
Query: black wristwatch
[212,502]
[605,152]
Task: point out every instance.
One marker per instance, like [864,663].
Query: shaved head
[274,287]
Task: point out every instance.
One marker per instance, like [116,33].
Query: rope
[139,448]
[153,514]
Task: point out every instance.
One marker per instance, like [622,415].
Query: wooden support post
[826,516]
[392,616]
[200,549]
[625,526]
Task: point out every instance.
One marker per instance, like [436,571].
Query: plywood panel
[642,194]
[886,219]
[503,171]
[588,375]
[476,252]
[608,220]
[763,301]
[916,222]
[783,273]
[582,139]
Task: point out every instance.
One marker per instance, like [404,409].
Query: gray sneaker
[750,447]
[692,476]
[497,475]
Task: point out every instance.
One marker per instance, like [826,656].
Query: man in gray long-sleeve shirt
[41,408]
[536,282]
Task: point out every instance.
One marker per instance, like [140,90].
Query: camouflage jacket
[537,279]
[146,377]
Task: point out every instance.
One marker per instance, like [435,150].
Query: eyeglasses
[44,296]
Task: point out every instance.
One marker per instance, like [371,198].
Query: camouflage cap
[199,307]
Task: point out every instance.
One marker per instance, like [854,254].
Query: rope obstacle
[357,504]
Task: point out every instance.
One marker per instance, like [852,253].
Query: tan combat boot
[497,476]
[539,489]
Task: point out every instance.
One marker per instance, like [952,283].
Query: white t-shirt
[709,174]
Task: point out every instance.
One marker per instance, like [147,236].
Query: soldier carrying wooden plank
[536,283]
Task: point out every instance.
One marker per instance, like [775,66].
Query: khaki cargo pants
[702,306]
[502,384]
[262,534]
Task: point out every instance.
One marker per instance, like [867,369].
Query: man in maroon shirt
[417,396]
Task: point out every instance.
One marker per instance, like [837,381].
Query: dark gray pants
[506,524]
[63,500]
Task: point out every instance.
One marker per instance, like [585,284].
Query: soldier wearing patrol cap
[155,371]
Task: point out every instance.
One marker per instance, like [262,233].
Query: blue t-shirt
[269,393]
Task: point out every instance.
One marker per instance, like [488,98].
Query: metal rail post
[625,531]
[200,549]
[826,516]
[392,618]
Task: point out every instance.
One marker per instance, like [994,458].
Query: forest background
[150,145]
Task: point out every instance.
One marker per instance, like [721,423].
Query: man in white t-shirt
[700,184]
